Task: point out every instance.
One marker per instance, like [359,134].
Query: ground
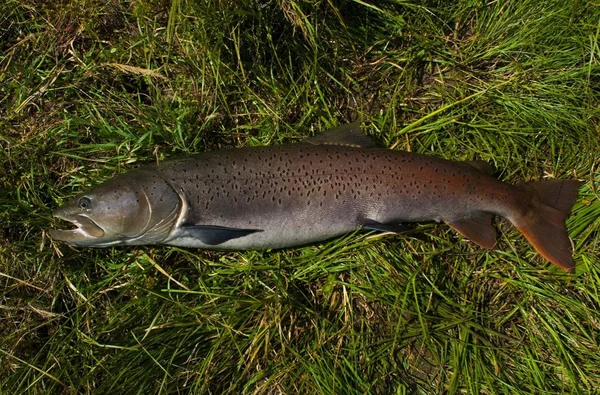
[92,88]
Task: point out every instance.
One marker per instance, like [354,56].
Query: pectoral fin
[215,235]
[395,228]
[477,228]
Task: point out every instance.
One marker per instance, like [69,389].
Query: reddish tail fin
[544,226]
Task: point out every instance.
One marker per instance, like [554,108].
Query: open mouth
[86,230]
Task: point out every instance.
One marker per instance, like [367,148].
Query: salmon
[329,185]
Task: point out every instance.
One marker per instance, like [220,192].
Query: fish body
[300,194]
[282,196]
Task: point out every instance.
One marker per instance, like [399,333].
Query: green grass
[91,88]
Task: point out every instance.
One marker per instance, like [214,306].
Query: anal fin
[477,228]
[215,235]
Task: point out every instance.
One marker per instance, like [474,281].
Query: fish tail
[544,224]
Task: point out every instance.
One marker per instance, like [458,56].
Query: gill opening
[182,212]
[160,226]
[158,230]
[148,218]
[183,207]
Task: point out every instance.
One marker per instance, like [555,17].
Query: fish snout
[58,212]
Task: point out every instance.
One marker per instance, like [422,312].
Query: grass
[91,88]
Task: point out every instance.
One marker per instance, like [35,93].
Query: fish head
[123,210]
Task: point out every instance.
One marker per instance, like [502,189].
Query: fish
[326,186]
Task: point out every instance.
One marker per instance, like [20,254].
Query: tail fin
[545,226]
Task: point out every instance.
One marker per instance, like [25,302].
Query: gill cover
[139,207]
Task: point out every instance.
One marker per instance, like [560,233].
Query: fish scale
[283,196]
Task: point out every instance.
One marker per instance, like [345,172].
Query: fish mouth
[86,231]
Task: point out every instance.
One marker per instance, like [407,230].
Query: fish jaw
[86,233]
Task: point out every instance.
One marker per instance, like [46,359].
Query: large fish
[282,196]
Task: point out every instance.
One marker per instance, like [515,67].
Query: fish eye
[85,203]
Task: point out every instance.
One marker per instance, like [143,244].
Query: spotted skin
[298,195]
[282,196]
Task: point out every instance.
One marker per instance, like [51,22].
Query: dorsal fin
[348,135]
[482,166]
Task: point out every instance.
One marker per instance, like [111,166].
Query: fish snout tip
[59,212]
